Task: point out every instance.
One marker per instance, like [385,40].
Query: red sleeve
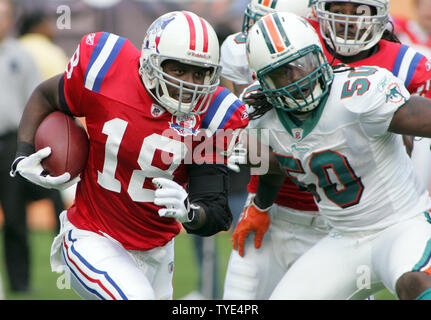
[226,116]
[72,89]
[420,82]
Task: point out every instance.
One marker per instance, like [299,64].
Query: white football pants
[353,265]
[291,234]
[100,268]
[421,157]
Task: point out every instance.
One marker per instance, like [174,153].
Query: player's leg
[158,266]
[101,268]
[329,270]
[290,235]
[296,232]
[402,257]
[254,275]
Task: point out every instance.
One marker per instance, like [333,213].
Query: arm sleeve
[383,96]
[418,79]
[208,188]
[226,118]
[72,87]
[233,59]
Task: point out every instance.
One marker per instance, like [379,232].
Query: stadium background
[122,18]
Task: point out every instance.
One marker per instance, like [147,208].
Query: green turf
[44,282]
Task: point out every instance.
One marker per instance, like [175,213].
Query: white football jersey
[233,59]
[360,173]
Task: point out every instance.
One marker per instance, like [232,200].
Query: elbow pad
[208,187]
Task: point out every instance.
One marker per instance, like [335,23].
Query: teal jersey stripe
[425,258]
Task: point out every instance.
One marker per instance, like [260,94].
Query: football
[68,141]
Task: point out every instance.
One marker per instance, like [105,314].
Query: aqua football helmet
[256,9]
[285,52]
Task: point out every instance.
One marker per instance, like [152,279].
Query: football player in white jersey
[337,132]
[393,56]
[295,223]
[236,74]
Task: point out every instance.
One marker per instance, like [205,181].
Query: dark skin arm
[270,182]
[413,118]
[44,100]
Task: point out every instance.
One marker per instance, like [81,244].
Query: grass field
[44,282]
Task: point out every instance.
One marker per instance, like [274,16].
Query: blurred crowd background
[131,18]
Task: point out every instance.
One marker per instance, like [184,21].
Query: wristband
[24,149]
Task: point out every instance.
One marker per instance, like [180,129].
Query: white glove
[176,200]
[31,169]
[238,156]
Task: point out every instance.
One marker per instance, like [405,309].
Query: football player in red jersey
[144,112]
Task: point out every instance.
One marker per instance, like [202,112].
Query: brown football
[68,141]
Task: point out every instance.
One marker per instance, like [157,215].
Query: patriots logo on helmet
[156,30]
[185,125]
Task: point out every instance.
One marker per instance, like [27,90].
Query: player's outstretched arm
[413,118]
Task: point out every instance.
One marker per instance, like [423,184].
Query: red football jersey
[132,140]
[404,62]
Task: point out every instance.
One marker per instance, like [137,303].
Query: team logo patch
[244,115]
[155,32]
[171,267]
[393,93]
[297,133]
[90,39]
[186,125]
[156,111]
